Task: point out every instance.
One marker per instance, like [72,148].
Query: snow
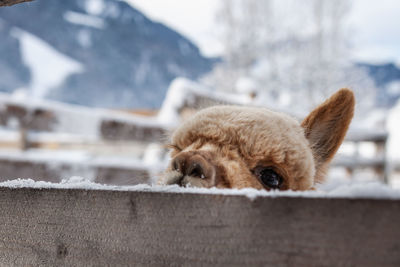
[7,135]
[73,157]
[94,7]
[234,98]
[84,38]
[156,159]
[175,69]
[49,73]
[184,47]
[59,138]
[373,120]
[84,20]
[335,189]
[174,100]
[245,85]
[182,91]
[112,10]
[393,126]
[152,154]
[393,88]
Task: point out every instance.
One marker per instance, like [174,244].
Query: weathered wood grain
[51,227]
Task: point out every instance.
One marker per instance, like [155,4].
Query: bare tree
[291,49]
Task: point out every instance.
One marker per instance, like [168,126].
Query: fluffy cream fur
[230,142]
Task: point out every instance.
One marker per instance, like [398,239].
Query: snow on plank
[52,166]
[108,227]
[63,118]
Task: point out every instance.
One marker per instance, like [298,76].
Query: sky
[377,30]
[375,25]
[194,19]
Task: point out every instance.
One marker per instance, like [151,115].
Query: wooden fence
[71,227]
[118,129]
[49,171]
[116,134]
[378,163]
[47,117]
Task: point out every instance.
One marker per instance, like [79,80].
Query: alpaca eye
[269,177]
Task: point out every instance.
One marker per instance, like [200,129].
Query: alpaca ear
[326,126]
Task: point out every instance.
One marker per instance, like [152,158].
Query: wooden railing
[377,163]
[47,117]
[73,227]
[49,170]
[116,136]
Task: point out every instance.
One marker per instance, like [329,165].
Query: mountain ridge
[129,60]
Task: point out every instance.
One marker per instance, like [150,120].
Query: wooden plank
[200,101]
[12,2]
[54,172]
[367,136]
[115,127]
[12,169]
[34,118]
[115,130]
[358,162]
[396,166]
[54,227]
[121,176]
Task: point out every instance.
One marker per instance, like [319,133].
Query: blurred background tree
[290,54]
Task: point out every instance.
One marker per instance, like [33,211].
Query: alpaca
[239,147]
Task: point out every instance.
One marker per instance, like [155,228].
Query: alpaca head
[238,147]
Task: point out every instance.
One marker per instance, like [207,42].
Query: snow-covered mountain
[387,80]
[93,52]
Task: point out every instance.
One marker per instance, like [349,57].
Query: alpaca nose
[193,165]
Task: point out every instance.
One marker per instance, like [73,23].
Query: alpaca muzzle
[194,169]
